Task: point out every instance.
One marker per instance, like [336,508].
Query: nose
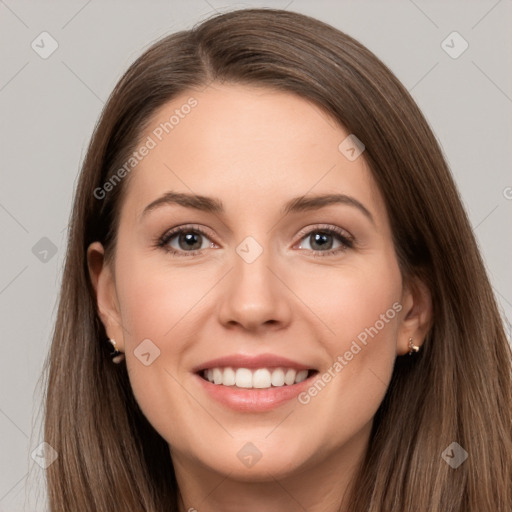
[254,297]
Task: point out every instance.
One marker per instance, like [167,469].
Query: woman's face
[268,284]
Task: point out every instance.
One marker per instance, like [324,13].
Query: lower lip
[253,400]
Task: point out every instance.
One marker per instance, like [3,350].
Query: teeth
[277,377]
[243,378]
[229,377]
[261,378]
[302,375]
[217,376]
[289,377]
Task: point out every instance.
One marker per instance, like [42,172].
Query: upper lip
[248,361]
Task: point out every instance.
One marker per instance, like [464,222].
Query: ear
[416,316]
[103,281]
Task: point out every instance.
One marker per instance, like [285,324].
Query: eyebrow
[297,204]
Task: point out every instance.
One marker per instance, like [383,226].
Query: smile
[260,378]
[253,383]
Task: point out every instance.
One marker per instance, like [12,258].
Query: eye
[185,241]
[191,240]
[326,240]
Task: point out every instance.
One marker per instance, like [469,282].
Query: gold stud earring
[116,355]
[412,347]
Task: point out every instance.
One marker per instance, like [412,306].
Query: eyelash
[347,242]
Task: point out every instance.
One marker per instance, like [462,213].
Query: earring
[116,355]
[412,347]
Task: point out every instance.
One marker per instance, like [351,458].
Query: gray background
[49,107]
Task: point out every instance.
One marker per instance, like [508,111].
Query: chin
[256,460]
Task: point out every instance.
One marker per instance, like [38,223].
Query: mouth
[259,378]
[253,384]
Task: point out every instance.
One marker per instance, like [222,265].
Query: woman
[268,239]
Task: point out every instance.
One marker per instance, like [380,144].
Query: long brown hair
[457,389]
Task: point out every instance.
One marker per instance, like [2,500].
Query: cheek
[157,305]
[354,299]
[367,323]
[161,304]
[361,306]
[154,300]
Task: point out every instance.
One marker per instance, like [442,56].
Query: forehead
[245,143]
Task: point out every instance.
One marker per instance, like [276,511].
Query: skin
[255,149]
